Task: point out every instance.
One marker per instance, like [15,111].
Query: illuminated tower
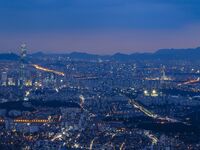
[163,77]
[22,65]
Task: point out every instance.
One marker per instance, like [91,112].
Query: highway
[142,109]
[48,70]
[190,82]
[151,114]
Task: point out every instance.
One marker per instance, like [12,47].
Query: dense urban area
[82,101]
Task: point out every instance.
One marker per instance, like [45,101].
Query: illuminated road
[103,134]
[92,142]
[151,114]
[48,70]
[57,136]
[122,145]
[141,108]
[190,82]
[82,101]
[153,138]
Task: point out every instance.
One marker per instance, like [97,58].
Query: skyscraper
[23,53]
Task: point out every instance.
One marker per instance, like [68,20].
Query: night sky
[99,26]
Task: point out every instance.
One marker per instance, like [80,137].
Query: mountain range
[166,54]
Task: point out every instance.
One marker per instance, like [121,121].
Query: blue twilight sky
[99,26]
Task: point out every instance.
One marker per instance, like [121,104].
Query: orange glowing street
[48,70]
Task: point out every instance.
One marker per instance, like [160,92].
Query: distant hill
[37,54]
[73,55]
[186,54]
[166,54]
[134,56]
[162,54]
[9,56]
[77,55]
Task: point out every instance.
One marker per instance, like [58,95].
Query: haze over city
[100,26]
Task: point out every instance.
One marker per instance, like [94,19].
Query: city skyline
[99,74]
[100,27]
[84,102]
